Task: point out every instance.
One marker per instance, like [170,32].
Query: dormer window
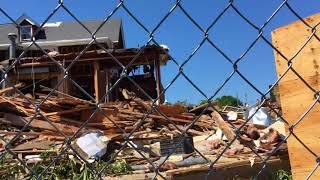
[26,33]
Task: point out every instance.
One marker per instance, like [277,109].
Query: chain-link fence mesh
[99,168]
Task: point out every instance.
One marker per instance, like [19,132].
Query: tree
[228,101]
[184,103]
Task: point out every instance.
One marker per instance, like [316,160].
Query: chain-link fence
[67,158]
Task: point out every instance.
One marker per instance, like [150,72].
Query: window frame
[31,32]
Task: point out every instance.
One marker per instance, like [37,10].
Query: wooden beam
[295,96]
[96,75]
[158,80]
[9,89]
[224,126]
[141,60]
[64,86]
[102,83]
[67,111]
[15,120]
[107,74]
[31,133]
[67,96]
[28,76]
[229,168]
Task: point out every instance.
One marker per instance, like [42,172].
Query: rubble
[52,119]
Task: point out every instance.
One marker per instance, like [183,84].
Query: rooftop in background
[66,31]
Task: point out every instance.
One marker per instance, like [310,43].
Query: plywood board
[295,96]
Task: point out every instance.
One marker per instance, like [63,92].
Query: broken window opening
[26,33]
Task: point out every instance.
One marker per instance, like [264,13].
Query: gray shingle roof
[5,29]
[70,31]
[26,17]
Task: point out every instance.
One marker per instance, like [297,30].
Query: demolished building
[100,61]
[67,123]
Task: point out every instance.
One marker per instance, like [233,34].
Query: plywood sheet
[295,96]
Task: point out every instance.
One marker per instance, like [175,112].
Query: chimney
[12,49]
[12,53]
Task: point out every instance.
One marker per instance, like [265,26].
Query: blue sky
[207,68]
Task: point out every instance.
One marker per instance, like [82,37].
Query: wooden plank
[31,133]
[295,96]
[158,80]
[228,168]
[289,40]
[9,89]
[67,97]
[125,59]
[19,121]
[69,111]
[224,126]
[102,83]
[96,75]
[64,86]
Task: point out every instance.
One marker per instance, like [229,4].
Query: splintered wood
[295,96]
[66,115]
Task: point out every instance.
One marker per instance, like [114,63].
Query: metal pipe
[12,49]
[12,52]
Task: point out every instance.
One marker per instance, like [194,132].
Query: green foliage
[228,101]
[275,93]
[283,175]
[119,167]
[86,173]
[184,103]
[202,102]
[10,168]
[66,167]
[279,175]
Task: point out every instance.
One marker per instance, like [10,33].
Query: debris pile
[132,129]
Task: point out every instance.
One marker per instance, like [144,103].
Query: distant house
[96,70]
[63,37]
